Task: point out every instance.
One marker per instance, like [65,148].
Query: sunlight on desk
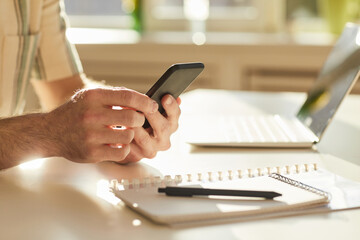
[31,165]
[102,191]
[232,207]
[136,222]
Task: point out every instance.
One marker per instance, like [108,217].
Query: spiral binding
[228,175]
[300,185]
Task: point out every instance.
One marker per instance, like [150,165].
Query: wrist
[24,138]
[40,134]
[48,139]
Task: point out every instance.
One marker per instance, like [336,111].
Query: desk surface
[57,199]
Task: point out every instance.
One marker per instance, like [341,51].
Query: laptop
[337,77]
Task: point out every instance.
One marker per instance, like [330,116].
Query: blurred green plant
[338,12]
[133,8]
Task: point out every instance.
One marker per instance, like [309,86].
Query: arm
[21,139]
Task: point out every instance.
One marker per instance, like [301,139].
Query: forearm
[54,93]
[24,138]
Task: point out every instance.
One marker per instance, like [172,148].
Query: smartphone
[174,81]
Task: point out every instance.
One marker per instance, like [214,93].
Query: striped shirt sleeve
[56,57]
[33,44]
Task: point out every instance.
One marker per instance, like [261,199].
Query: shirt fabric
[33,44]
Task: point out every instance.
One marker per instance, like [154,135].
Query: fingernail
[155,107]
[168,100]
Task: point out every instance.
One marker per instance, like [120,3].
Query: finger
[108,153]
[159,135]
[134,155]
[158,122]
[171,107]
[163,126]
[109,135]
[125,98]
[178,100]
[144,143]
[123,117]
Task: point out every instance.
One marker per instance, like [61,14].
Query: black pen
[190,191]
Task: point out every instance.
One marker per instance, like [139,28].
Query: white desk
[59,199]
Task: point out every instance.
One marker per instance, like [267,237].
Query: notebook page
[170,210]
[345,193]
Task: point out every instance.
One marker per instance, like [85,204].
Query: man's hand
[85,129]
[147,142]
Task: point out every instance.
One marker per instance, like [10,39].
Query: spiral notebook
[143,197]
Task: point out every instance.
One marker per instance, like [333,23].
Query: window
[172,15]
[97,13]
[223,15]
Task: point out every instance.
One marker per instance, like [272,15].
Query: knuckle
[134,158]
[166,145]
[90,137]
[92,94]
[123,153]
[128,97]
[165,128]
[89,117]
[88,96]
[132,118]
[151,154]
[131,157]
[141,118]
[121,156]
[128,135]
[144,140]
[175,126]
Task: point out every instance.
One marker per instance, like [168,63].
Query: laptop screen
[335,80]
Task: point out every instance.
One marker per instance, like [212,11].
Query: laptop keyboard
[263,129]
